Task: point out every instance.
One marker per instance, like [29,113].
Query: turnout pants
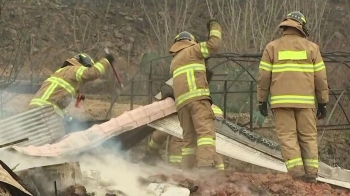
[157,140]
[296,129]
[185,158]
[197,122]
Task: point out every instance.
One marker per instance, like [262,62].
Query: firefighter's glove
[210,22]
[321,111]
[263,108]
[167,91]
[109,58]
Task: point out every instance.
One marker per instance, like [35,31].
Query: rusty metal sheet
[232,145]
[40,125]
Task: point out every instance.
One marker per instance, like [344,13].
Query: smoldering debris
[51,177]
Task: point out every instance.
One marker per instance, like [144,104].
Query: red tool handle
[79,98]
[115,72]
[117,76]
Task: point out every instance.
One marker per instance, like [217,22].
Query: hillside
[37,36]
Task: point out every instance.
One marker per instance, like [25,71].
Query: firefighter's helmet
[300,18]
[184,35]
[82,58]
[297,16]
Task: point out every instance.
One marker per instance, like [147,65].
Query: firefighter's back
[292,79]
[62,90]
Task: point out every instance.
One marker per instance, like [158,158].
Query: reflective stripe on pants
[205,141]
[154,145]
[220,167]
[311,163]
[290,164]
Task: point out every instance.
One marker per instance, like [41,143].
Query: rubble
[61,178]
[246,184]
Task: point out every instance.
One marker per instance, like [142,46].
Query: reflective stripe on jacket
[188,67]
[293,72]
[61,88]
[217,111]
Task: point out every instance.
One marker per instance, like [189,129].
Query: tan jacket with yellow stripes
[61,88]
[188,67]
[292,71]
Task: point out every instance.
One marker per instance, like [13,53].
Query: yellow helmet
[297,16]
[82,58]
[184,35]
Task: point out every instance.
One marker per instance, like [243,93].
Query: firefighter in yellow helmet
[292,71]
[191,92]
[175,151]
[63,85]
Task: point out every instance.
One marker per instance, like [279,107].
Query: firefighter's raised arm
[211,46]
[85,74]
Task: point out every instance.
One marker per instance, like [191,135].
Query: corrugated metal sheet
[231,146]
[41,125]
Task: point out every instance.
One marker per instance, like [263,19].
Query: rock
[117,34]
[131,39]
[162,189]
[140,19]
[128,18]
[107,44]
[180,191]
[120,43]
[128,28]
[105,27]
[35,49]
[123,14]
[13,31]
[127,47]
[338,35]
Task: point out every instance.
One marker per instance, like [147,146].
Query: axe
[115,72]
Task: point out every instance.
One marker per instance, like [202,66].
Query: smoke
[110,162]
[114,169]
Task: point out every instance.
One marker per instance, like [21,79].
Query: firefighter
[191,92]
[292,71]
[175,150]
[64,85]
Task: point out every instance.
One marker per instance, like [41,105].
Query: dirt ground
[247,184]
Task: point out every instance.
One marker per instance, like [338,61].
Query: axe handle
[115,71]
[117,76]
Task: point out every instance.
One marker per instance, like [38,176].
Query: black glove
[167,91]
[263,108]
[321,111]
[110,58]
[209,23]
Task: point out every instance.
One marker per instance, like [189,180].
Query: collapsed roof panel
[40,126]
